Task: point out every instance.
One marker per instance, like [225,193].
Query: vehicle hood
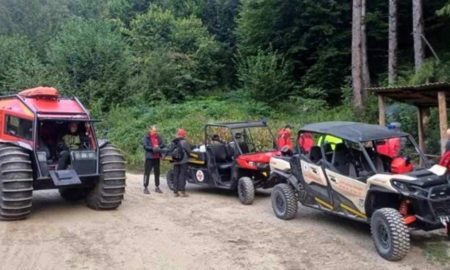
[436,175]
[260,157]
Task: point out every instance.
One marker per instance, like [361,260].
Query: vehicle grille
[441,208]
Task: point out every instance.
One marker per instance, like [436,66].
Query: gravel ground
[208,230]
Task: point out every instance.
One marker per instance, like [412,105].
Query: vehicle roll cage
[363,149]
[238,125]
[37,118]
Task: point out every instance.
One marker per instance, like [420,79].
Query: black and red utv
[235,156]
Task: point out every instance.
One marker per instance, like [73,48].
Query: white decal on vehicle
[200,176]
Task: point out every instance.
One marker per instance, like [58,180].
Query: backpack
[177,151]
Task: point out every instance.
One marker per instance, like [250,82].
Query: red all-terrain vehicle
[235,156]
[33,124]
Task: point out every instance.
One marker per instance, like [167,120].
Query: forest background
[172,63]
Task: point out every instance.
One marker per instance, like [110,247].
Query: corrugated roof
[424,95]
[438,86]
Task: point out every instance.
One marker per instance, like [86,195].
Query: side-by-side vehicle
[235,156]
[366,173]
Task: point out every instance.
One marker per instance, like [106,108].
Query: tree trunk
[418,32]
[393,41]
[357,55]
[365,61]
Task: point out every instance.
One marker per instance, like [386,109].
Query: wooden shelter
[424,97]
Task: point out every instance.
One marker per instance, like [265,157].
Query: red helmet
[401,165]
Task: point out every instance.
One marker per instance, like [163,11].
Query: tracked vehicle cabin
[423,97]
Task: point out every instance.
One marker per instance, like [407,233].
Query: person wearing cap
[180,167]
[153,145]
[284,137]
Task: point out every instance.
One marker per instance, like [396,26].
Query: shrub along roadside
[126,126]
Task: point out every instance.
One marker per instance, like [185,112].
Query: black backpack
[178,151]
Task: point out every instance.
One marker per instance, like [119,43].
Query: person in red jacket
[284,137]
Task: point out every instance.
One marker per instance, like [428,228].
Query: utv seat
[328,149]
[342,162]
[315,154]
[221,155]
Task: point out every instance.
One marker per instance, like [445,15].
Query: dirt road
[205,231]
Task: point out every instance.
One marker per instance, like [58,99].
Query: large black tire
[284,201]
[110,187]
[246,190]
[73,194]
[16,183]
[390,235]
[170,176]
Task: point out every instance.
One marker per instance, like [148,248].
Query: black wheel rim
[383,236]
[280,203]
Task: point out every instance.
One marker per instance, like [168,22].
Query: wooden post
[420,120]
[442,119]
[382,111]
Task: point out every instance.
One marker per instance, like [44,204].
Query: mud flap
[65,178]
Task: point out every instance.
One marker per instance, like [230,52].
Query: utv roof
[352,131]
[45,102]
[235,125]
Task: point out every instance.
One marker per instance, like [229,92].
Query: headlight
[259,165]
[402,186]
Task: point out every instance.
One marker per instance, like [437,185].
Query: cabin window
[19,127]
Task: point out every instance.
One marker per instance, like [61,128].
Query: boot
[146,191]
[176,194]
[183,194]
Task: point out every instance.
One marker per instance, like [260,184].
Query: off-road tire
[246,190]
[390,235]
[16,183]
[169,179]
[109,190]
[73,194]
[284,201]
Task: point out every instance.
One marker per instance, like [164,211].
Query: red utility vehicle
[235,156]
[32,124]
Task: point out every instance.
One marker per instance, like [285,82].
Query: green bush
[19,65]
[266,76]
[181,49]
[92,61]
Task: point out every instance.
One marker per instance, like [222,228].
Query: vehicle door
[311,165]
[347,177]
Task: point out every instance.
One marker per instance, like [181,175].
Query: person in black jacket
[180,167]
[154,146]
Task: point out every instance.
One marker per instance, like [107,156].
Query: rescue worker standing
[153,145]
[284,137]
[180,167]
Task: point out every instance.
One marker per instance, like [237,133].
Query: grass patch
[436,252]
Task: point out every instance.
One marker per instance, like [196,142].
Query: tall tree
[365,61]
[357,79]
[393,41]
[418,32]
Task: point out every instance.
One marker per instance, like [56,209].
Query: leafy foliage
[91,60]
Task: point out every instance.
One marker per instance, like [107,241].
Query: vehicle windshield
[398,147]
[254,139]
[242,140]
